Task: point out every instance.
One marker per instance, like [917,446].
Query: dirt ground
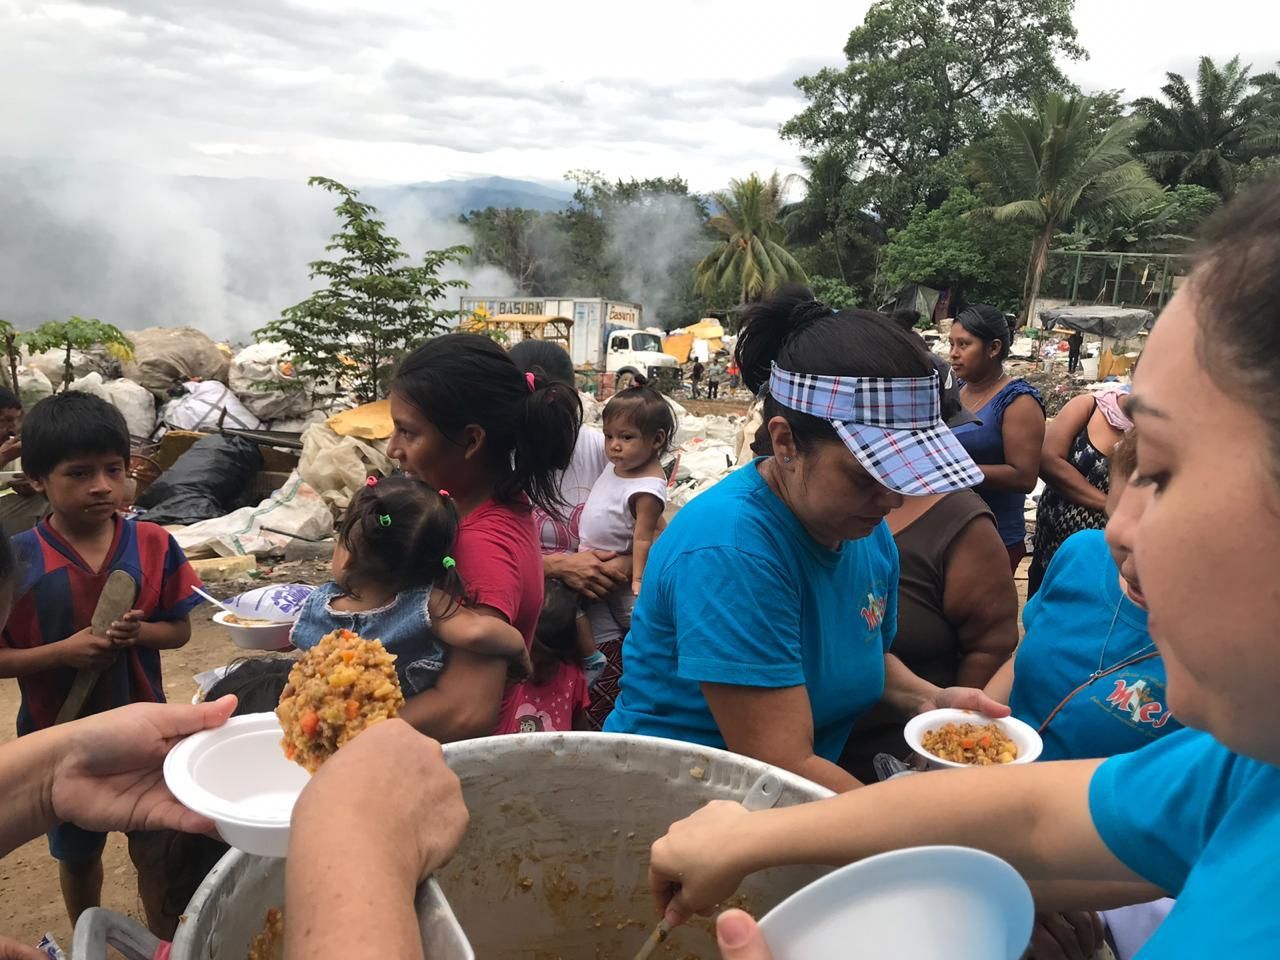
[30,902]
[735,405]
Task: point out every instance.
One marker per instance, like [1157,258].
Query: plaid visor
[892,425]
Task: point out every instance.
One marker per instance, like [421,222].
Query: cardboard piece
[116,599]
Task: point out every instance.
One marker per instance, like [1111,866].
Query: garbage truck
[606,336]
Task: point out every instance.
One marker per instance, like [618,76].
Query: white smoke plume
[655,245]
[226,256]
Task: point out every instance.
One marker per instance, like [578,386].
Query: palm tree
[752,258]
[818,218]
[1061,170]
[1202,137]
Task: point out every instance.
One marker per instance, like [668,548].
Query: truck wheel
[624,379]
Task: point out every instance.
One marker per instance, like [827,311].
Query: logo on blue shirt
[873,612]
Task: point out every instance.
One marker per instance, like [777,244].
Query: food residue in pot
[269,943]
[239,621]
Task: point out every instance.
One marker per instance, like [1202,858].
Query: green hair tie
[448,563]
[384,519]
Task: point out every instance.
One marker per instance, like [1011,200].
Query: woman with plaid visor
[770,602]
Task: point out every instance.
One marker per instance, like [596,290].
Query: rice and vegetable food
[979,744]
[338,688]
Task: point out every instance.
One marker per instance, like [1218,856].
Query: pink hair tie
[371,481]
[444,494]
[528,378]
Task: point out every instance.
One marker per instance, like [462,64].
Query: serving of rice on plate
[336,690]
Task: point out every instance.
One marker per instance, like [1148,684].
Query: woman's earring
[786,459]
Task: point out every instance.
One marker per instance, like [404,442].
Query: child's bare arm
[464,703]
[648,510]
[468,629]
[80,651]
[586,639]
[131,630]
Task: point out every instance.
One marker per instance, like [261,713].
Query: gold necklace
[986,395]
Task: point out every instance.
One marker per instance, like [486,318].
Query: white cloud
[389,91]
[396,93]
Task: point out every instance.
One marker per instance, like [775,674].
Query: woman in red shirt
[469,422]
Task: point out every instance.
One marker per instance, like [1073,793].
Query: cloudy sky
[388,91]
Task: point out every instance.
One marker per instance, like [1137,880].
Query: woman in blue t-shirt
[1087,675]
[1005,441]
[770,602]
[1195,814]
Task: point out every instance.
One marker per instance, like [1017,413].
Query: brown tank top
[926,642]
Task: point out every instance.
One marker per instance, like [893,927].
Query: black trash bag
[206,482]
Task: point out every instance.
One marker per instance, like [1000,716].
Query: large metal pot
[554,864]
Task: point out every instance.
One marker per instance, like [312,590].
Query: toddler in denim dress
[394,581]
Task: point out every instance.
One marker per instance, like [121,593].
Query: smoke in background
[653,246]
[226,256]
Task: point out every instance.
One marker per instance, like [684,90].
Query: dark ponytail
[400,533]
[530,422]
[804,335]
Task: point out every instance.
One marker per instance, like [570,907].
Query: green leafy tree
[1259,168]
[836,294]
[1163,224]
[946,247]
[1205,136]
[1058,171]
[923,80]
[375,309]
[77,333]
[829,230]
[752,257]
[818,218]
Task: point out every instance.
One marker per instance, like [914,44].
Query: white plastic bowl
[917,904]
[264,636]
[1024,736]
[237,775]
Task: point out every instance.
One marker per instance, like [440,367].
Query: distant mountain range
[462,196]
[444,198]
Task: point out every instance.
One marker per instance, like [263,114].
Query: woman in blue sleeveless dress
[1006,443]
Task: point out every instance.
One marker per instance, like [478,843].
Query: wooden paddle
[116,599]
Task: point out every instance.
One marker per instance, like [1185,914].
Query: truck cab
[631,352]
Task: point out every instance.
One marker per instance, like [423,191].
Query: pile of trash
[337,456]
[706,449]
[1056,386]
[179,378]
[256,389]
